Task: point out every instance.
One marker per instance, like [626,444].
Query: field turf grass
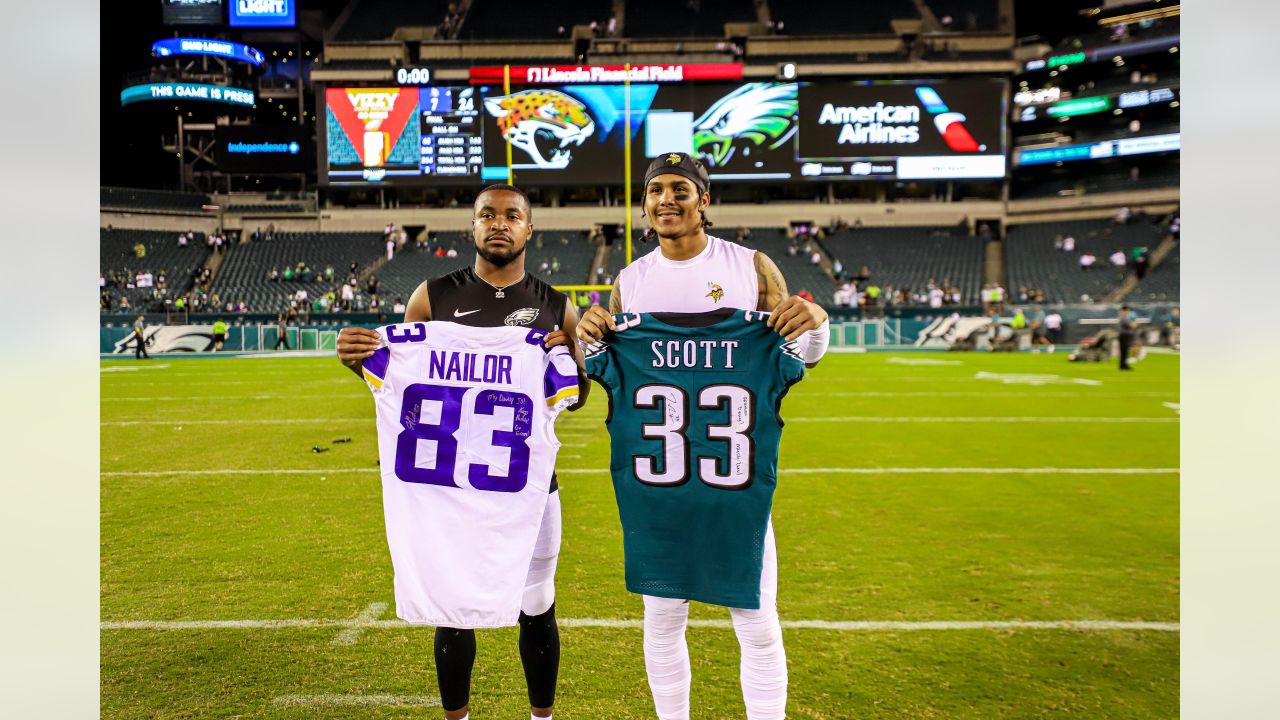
[204,544]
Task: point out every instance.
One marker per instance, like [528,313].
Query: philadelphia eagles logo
[523,316]
[716,293]
[755,117]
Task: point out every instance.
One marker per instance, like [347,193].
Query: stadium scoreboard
[571,134]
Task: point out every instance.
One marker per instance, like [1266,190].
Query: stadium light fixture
[787,71]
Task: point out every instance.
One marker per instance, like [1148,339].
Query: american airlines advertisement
[929,130]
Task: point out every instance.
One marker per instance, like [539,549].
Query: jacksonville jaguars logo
[546,124]
[716,292]
[523,316]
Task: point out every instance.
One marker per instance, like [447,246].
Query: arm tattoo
[615,300]
[773,287]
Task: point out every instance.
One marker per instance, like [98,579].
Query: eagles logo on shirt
[716,293]
[523,316]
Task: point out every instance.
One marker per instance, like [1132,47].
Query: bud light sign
[262,13]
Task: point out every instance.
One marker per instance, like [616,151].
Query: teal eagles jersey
[694,427]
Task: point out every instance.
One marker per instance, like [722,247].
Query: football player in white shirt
[692,271]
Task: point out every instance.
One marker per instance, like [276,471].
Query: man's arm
[596,321]
[418,308]
[356,343]
[771,286]
[792,316]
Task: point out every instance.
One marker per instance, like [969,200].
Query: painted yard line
[131,368]
[359,700]
[870,419]
[783,471]
[351,634]
[835,625]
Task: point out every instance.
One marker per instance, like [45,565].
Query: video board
[576,133]
[191,12]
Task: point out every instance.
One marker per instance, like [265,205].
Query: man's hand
[355,344]
[594,324]
[557,337]
[795,316]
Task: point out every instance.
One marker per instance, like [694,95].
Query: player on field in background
[495,292]
[691,272]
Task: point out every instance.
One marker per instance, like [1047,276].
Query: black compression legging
[455,652]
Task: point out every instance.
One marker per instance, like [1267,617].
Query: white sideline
[840,626]
[351,634]
[359,700]
[782,471]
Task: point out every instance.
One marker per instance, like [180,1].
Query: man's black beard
[498,259]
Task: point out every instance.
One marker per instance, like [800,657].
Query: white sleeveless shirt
[723,275]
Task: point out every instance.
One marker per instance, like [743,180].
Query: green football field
[959,536]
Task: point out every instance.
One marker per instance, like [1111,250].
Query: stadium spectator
[139,333]
[348,295]
[815,258]
[391,248]
[1069,243]
[282,332]
[373,286]
[1039,331]
[1087,260]
[139,250]
[288,273]
[1171,332]
[398,307]
[219,332]
[328,272]
[1128,335]
[1123,215]
[182,240]
[1117,258]
[555,265]
[743,233]
[452,252]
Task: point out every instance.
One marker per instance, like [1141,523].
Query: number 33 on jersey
[467,447]
[694,427]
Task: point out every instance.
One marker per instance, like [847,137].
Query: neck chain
[497,291]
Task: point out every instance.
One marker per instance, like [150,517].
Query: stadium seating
[682,18]
[1032,261]
[843,18]
[243,274]
[116,255]
[411,266]
[569,247]
[500,19]
[378,19]
[799,273]
[1162,283]
[967,15]
[909,257]
[160,200]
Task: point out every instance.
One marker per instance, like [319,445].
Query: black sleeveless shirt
[462,297]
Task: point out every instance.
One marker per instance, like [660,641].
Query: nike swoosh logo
[464,314]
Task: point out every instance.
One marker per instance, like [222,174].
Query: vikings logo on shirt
[716,293]
[543,123]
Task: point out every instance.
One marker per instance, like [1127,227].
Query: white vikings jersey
[467,447]
[723,275]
